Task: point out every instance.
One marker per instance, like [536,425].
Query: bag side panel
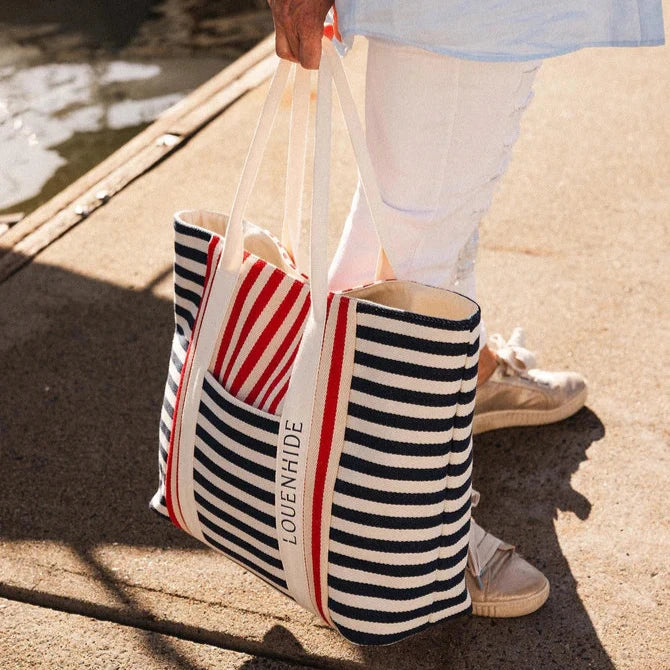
[400,514]
[190,268]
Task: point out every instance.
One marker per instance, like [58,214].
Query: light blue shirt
[496,30]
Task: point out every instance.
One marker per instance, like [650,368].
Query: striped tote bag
[320,440]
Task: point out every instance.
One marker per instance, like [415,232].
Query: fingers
[299,28]
[282,46]
[310,50]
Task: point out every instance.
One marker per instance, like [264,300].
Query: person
[446,85]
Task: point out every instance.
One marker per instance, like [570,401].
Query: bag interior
[398,294]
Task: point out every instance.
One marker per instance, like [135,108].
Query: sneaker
[500,582]
[518,394]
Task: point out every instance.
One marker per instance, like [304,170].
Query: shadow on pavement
[83,368]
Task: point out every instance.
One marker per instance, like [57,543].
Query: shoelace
[513,355]
[482,546]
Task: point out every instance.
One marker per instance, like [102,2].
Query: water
[79,79]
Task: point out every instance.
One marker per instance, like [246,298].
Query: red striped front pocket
[259,340]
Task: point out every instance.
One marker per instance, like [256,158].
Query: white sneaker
[518,394]
[500,582]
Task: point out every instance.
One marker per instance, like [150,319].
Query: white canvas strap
[295,169]
[298,420]
[357,137]
[295,547]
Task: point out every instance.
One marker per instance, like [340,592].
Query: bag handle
[295,172]
[296,549]
[296,542]
[295,168]
[231,259]
[357,136]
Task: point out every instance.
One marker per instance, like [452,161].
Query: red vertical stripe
[265,339]
[278,397]
[279,355]
[235,312]
[326,442]
[278,378]
[289,363]
[256,310]
[185,373]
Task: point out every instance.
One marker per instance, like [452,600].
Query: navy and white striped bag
[321,440]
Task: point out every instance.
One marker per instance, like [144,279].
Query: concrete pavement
[574,249]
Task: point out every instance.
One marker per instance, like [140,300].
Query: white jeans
[440,132]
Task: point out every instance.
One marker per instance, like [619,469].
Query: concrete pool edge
[95,188]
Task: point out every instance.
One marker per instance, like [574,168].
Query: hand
[299,28]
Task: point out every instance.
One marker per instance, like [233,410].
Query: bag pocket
[234,481]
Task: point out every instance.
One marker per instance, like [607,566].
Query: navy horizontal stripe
[267,576]
[178,363]
[189,275]
[267,540]
[393,447]
[459,469]
[456,349]
[450,539]
[253,419]
[383,521]
[168,407]
[233,500]
[241,484]
[386,569]
[404,395]
[363,638]
[183,343]
[413,370]
[172,384]
[404,570]
[239,542]
[392,593]
[161,513]
[389,472]
[192,254]
[187,294]
[466,397]
[463,421]
[391,420]
[192,231]
[165,429]
[456,515]
[456,493]
[237,436]
[393,616]
[399,523]
[162,453]
[233,457]
[185,314]
[389,497]
[376,639]
[420,319]
[387,546]
[459,446]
